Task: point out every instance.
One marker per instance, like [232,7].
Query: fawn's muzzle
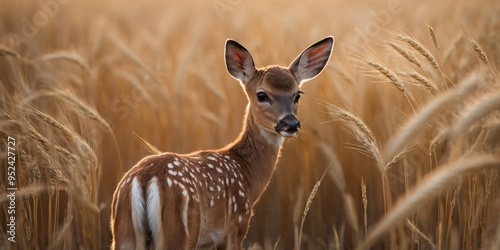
[288,126]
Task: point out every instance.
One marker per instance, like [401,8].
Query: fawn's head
[273,92]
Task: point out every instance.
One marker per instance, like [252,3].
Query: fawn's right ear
[239,62]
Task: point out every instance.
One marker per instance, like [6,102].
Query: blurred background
[80,79]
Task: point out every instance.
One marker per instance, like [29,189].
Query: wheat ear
[425,53]
[433,36]
[387,73]
[474,113]
[66,56]
[423,82]
[310,200]
[414,126]
[432,185]
[479,51]
[405,54]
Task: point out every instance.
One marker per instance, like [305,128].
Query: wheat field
[401,132]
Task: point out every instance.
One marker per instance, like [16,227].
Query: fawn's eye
[297,98]
[262,97]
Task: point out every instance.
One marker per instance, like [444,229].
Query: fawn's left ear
[312,60]
[239,62]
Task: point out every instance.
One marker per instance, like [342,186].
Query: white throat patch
[271,138]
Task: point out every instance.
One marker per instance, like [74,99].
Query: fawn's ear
[239,62]
[312,60]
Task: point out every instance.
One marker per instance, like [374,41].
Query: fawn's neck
[258,152]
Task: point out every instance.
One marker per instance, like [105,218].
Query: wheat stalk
[396,158]
[351,212]
[482,107]
[416,124]
[416,46]
[405,54]
[67,56]
[479,51]
[387,73]
[335,172]
[365,204]
[54,123]
[84,108]
[452,47]
[433,36]
[424,82]
[358,129]
[420,234]
[432,185]
[310,200]
[146,144]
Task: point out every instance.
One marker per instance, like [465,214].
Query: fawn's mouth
[287,134]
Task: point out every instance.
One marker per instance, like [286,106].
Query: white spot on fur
[138,211]
[212,158]
[169,182]
[211,202]
[177,163]
[170,166]
[219,170]
[241,193]
[172,172]
[239,219]
[235,207]
[210,166]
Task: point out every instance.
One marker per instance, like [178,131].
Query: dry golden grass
[411,167]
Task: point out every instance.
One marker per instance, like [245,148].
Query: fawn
[204,200]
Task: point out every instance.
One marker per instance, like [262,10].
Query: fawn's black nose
[289,125]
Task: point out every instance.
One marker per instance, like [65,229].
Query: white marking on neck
[272,139]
